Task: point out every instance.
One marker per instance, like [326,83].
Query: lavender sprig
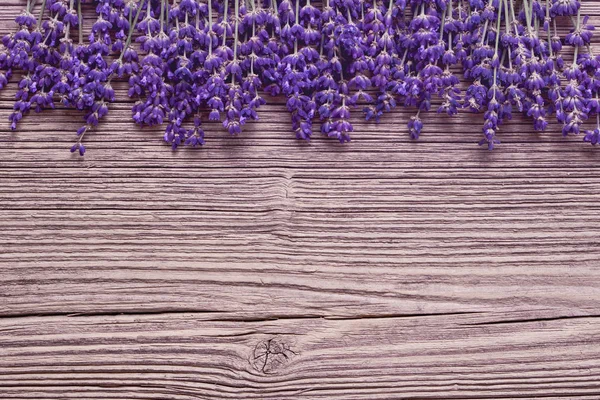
[324,60]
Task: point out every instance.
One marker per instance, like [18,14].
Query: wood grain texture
[259,267]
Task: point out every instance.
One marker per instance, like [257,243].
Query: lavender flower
[297,71]
[147,84]
[324,60]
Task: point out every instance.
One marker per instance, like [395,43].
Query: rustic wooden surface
[259,267]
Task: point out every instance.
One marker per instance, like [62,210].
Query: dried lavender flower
[215,59]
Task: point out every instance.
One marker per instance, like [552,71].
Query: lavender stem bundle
[188,61]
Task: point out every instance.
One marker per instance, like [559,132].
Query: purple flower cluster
[216,60]
[55,67]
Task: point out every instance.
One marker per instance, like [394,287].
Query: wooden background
[260,267]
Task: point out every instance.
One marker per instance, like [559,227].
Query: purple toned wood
[259,267]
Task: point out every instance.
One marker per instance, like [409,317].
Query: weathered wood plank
[191,356]
[389,268]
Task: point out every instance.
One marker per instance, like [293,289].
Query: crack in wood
[530,320]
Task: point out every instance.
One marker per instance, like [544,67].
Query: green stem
[527,15]
[506,17]
[485,26]
[47,37]
[176,19]
[80,17]
[39,24]
[362,10]
[162,15]
[498,27]
[297,20]
[576,30]
[497,42]
[442,25]
[30,5]
[253,35]
[513,18]
[148,17]
[68,27]
[235,35]
[210,27]
[404,57]
[131,28]
[549,35]
[197,21]
[532,16]
[224,22]
[321,46]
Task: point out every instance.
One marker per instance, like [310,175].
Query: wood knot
[270,355]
